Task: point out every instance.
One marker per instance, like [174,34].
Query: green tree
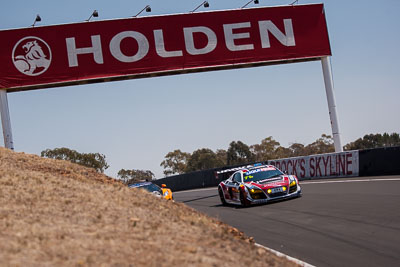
[133,176]
[92,160]
[322,145]
[282,152]
[175,162]
[374,141]
[203,159]
[222,156]
[266,150]
[239,153]
[389,140]
[297,149]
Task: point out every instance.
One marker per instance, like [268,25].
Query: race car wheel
[243,200]
[221,196]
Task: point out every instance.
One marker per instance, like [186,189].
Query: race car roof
[140,184]
[254,166]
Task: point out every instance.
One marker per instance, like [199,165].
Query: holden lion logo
[31,56]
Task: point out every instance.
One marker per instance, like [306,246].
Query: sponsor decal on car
[260,170]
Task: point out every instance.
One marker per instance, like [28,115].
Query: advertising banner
[344,164]
[59,55]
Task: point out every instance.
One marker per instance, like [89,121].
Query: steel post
[326,69]
[5,120]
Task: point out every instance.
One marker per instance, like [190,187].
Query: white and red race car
[256,185]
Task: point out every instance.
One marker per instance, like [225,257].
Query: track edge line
[280,254]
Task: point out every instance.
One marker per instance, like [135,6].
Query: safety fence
[369,162]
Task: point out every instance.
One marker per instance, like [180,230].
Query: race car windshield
[259,175]
[151,188]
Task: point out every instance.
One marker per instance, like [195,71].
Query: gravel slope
[55,213]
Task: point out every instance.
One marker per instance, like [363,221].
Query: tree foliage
[203,159]
[92,160]
[280,153]
[239,153]
[222,155]
[133,176]
[175,162]
[322,145]
[374,141]
[266,150]
[271,149]
[297,150]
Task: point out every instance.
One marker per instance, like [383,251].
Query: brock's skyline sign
[118,49]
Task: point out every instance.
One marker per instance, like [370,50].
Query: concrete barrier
[380,161]
[190,180]
[343,164]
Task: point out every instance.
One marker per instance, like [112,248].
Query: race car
[258,184]
[154,189]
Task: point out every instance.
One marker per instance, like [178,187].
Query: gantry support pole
[5,120]
[326,69]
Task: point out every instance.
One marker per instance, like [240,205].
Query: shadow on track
[200,198]
[270,203]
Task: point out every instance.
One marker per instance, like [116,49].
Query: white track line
[280,254]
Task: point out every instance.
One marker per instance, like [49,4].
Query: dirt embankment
[55,213]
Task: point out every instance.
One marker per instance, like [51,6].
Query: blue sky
[135,123]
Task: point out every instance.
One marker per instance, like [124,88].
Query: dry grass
[57,213]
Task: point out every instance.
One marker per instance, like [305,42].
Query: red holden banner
[344,164]
[59,55]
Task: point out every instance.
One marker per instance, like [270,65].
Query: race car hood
[271,183]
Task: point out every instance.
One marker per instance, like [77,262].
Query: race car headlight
[166,193]
[293,183]
[254,189]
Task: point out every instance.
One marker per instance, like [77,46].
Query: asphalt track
[337,222]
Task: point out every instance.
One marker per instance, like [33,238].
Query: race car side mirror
[163,185]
